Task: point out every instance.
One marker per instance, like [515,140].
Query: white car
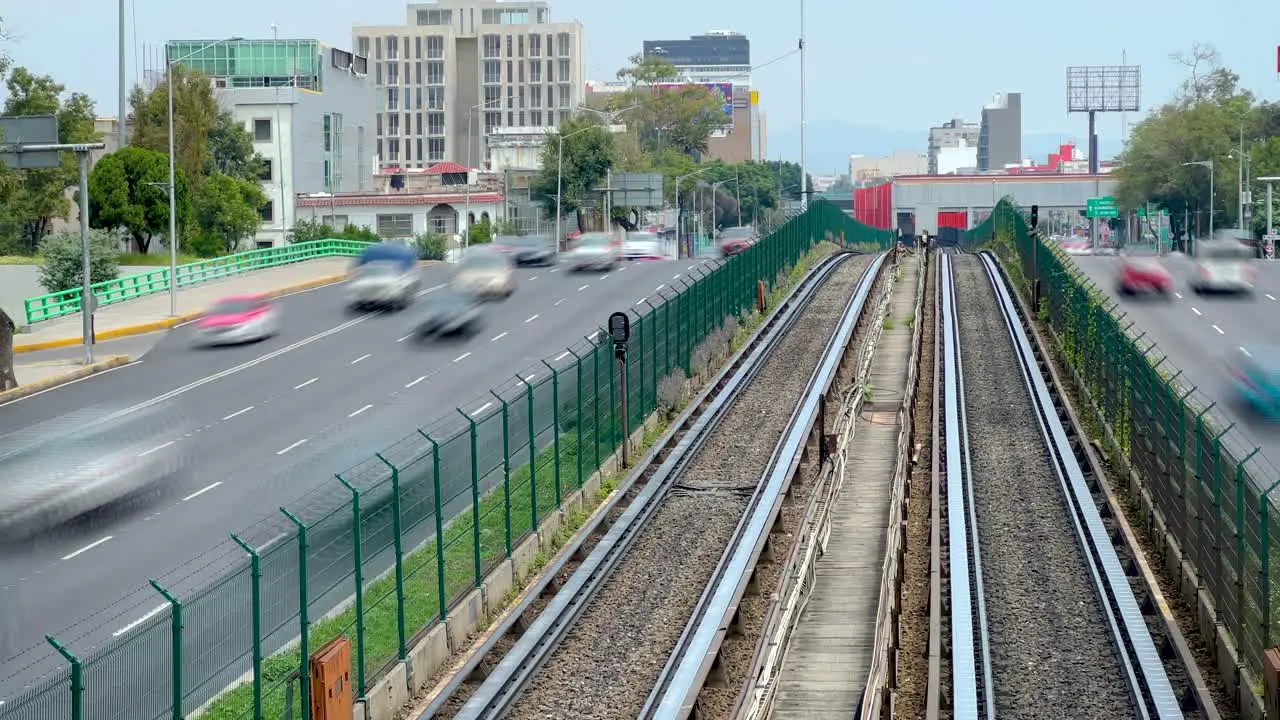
[642,246]
[594,251]
[238,319]
[1223,266]
[485,273]
[381,284]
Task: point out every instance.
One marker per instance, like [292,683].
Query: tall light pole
[173,175]
[1271,228]
[607,117]
[560,174]
[124,110]
[1208,164]
[804,122]
[466,216]
[680,179]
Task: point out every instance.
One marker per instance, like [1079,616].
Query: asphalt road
[270,423]
[1200,332]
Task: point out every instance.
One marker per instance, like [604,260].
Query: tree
[129,188]
[588,156]
[754,182]
[39,196]
[648,69]
[195,113]
[231,150]
[431,246]
[62,267]
[227,208]
[309,230]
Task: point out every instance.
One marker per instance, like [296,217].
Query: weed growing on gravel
[886,324]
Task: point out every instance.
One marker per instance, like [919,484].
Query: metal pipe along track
[1042,615]
[655,561]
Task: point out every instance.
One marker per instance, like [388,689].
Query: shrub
[430,246]
[63,268]
[700,358]
[673,393]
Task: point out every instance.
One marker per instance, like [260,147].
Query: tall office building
[951,134]
[458,69]
[1000,138]
[718,56]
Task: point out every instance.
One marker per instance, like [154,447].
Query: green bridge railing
[53,305]
[1216,490]
[384,550]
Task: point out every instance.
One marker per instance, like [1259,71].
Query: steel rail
[507,681]
[676,691]
[1153,694]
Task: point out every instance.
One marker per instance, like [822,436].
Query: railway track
[628,623]
[1036,586]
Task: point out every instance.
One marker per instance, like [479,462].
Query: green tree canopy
[227,208]
[588,156]
[128,188]
[231,150]
[195,113]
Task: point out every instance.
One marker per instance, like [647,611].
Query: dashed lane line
[302,385]
[294,446]
[150,614]
[531,318]
[201,491]
[360,412]
[497,337]
[87,548]
[239,412]
[155,449]
[462,357]
[365,356]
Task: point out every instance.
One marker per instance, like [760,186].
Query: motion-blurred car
[74,464]
[485,273]
[384,276]
[1141,274]
[1223,266]
[448,312]
[531,250]
[1076,246]
[238,319]
[1256,377]
[642,246]
[736,239]
[594,251]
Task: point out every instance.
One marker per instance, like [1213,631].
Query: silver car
[75,464]
[382,284]
[485,273]
[594,251]
[642,246]
[1223,266]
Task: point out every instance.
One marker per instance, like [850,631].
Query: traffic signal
[1035,216]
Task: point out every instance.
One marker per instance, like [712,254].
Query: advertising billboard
[721,91]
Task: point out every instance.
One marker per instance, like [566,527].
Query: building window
[399,225]
[435,123]
[435,47]
[510,47]
[551,71]
[393,149]
[393,124]
[535,45]
[492,72]
[535,71]
[377,74]
[266,174]
[520,46]
[511,119]
[337,222]
[564,72]
[491,121]
[417,98]
[393,99]
[438,223]
[435,149]
[421,157]
[417,69]
[267,212]
[435,98]
[393,73]
[435,17]
[562,45]
[511,73]
[535,98]
[378,150]
[435,72]
[522,99]
[262,129]
[362,46]
[520,71]
[520,119]
[535,118]
[393,47]
[417,47]
[377,48]
[565,99]
[492,95]
[492,47]
[377,119]
[419,122]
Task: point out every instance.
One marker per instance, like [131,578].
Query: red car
[1142,274]
[735,240]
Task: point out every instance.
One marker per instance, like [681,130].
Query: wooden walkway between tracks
[829,657]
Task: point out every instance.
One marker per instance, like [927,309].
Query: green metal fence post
[304,617]
[357,552]
[475,499]
[533,452]
[555,426]
[1241,546]
[175,622]
[653,353]
[614,405]
[578,425]
[398,543]
[442,600]
[595,402]
[255,588]
[506,472]
[77,677]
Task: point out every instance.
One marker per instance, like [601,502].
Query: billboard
[721,91]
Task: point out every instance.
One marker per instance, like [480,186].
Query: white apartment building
[459,69]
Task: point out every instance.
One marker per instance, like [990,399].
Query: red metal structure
[874,205]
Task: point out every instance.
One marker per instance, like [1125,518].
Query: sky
[904,65]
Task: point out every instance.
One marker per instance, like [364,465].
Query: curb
[165,324]
[22,391]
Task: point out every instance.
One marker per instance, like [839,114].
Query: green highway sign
[1142,212]
[1102,207]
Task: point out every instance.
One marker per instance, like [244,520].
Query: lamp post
[466,216]
[1271,228]
[173,187]
[804,122]
[737,189]
[680,179]
[560,175]
[124,108]
[1208,164]
[607,117]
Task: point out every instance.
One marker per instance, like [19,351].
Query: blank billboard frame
[1104,88]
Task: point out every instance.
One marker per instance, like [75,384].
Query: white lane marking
[558,302]
[641,300]
[238,413]
[659,288]
[292,447]
[361,411]
[497,337]
[415,382]
[430,289]
[676,276]
[155,449]
[531,377]
[1269,297]
[1178,295]
[531,318]
[535,277]
[1215,327]
[482,408]
[691,267]
[362,357]
[584,287]
[406,337]
[87,548]
[554,270]
[150,614]
[299,387]
[1246,352]
[69,384]
[1196,311]
[201,491]
[462,357]
[561,356]
[604,276]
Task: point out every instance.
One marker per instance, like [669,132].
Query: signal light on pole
[1035,216]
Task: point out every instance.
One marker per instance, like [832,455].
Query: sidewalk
[151,313]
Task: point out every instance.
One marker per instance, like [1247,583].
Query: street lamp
[466,218]
[1208,164]
[1242,184]
[173,187]
[1271,228]
[680,179]
[608,117]
[737,191]
[560,174]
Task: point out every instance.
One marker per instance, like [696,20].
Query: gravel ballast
[1051,652]
[609,662]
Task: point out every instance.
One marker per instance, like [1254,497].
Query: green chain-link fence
[396,540]
[1217,493]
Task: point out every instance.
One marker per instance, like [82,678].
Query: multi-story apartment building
[309,108]
[951,134]
[458,69]
[1000,137]
[718,56]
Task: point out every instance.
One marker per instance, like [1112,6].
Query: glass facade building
[253,63]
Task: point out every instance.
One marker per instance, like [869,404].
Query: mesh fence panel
[456,468]
[217,640]
[117,692]
[50,699]
[546,462]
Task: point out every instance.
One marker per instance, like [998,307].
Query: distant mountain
[832,142]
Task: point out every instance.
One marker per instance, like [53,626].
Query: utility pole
[124,110]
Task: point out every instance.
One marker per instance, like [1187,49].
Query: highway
[269,423]
[1200,332]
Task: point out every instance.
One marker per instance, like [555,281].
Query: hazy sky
[903,65]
